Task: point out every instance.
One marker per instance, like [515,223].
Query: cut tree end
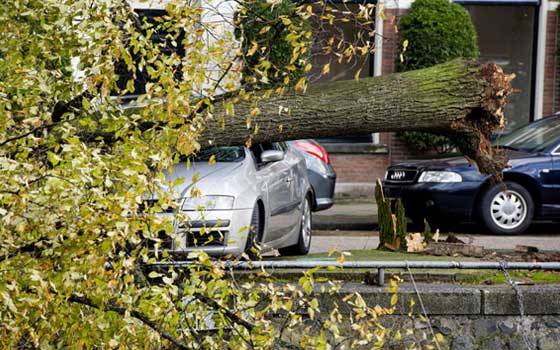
[473,133]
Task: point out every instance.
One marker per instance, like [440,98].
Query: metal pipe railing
[379,265]
[287,264]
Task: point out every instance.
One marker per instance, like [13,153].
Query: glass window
[348,31]
[160,37]
[506,37]
[345,69]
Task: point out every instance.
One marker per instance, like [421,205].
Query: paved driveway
[361,214]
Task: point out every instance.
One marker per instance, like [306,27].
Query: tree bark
[460,99]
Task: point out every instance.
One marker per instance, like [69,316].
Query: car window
[258,149]
[535,137]
[283,146]
[221,154]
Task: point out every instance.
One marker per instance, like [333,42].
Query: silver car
[243,200]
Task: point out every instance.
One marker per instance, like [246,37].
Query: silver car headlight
[208,203]
[440,176]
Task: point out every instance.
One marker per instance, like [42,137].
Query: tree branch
[34,247]
[236,319]
[134,313]
[59,109]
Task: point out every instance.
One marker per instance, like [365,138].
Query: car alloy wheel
[306,224]
[305,232]
[252,248]
[508,209]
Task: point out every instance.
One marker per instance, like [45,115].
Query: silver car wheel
[508,209]
[306,223]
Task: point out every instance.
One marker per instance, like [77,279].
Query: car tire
[305,231]
[507,212]
[252,244]
[416,224]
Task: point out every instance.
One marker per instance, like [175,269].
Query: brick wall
[551,72]
[359,167]
[398,150]
[390,39]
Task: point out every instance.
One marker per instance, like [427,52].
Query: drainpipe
[378,56]
[541,54]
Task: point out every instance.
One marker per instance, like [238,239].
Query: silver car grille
[208,237]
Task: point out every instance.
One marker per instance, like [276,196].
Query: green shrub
[434,31]
[423,142]
[275,42]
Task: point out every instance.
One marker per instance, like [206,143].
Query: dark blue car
[451,190]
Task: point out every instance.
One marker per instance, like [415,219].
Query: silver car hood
[209,177]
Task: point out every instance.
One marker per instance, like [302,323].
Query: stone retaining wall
[469,317]
[481,333]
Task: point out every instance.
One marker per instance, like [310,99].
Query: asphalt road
[544,237]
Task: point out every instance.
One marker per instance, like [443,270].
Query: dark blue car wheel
[507,208]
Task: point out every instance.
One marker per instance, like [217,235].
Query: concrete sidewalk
[347,214]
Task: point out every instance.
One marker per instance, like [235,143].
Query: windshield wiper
[509,147]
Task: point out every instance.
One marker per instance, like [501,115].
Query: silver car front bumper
[216,232]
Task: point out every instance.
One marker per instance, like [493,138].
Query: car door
[297,175]
[550,179]
[277,183]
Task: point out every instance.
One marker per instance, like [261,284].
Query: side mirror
[272,156]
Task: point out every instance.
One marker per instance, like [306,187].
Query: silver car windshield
[221,154]
[535,137]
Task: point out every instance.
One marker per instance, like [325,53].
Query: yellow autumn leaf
[212,160]
[326,69]
[301,85]
[264,30]
[254,47]
[255,111]
[285,21]
[341,259]
[357,74]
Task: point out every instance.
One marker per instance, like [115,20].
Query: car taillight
[314,149]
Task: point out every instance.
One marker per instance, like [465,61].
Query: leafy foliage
[274,37]
[84,150]
[426,142]
[434,31]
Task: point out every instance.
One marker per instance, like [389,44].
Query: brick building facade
[532,48]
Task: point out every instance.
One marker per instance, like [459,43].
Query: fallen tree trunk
[461,99]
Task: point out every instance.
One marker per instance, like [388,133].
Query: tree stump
[392,227]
